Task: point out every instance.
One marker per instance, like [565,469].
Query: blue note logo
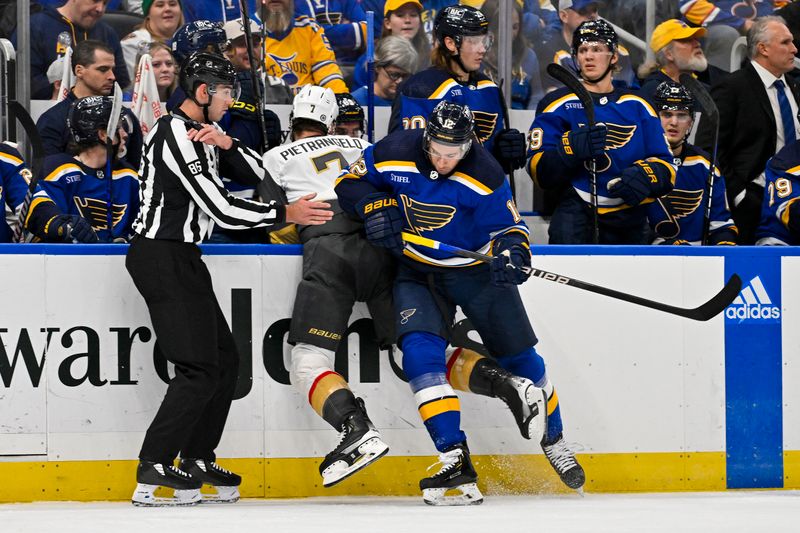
[753,303]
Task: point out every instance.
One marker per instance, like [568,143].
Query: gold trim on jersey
[471,183]
[442,89]
[633,98]
[397,166]
[11,159]
[62,171]
[555,104]
[485,84]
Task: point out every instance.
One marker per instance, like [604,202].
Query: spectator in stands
[557,48]
[297,50]
[677,49]
[402,18]
[162,18]
[216,10]
[80,20]
[758,108]
[165,68]
[344,22]
[526,86]
[725,21]
[92,64]
[395,61]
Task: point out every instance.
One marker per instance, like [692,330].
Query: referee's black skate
[151,475]
[527,402]
[456,474]
[562,458]
[359,445]
[224,481]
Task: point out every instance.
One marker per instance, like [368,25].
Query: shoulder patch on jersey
[443,89]
[63,170]
[555,104]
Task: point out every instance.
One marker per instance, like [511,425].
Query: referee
[181,198]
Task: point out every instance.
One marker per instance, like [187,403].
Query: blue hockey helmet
[198,36]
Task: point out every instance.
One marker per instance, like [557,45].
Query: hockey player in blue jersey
[440,183]
[632,159]
[678,216]
[76,181]
[41,217]
[462,38]
[780,209]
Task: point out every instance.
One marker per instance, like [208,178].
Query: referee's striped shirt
[181,193]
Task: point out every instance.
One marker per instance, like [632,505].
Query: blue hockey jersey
[14,180]
[780,209]
[470,209]
[79,190]
[421,92]
[677,217]
[634,135]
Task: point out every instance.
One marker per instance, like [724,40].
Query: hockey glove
[273,126]
[583,143]
[69,228]
[634,185]
[511,266]
[510,149]
[383,221]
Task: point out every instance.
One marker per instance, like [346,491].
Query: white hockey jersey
[312,164]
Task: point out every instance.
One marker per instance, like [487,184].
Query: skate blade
[372,450]
[144,496]
[536,426]
[467,494]
[223,495]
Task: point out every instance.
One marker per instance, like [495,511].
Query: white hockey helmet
[315,103]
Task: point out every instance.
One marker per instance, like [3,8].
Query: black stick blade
[565,76]
[701,95]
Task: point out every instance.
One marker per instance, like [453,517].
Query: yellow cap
[673,30]
[394,5]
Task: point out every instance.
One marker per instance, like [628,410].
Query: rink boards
[658,402]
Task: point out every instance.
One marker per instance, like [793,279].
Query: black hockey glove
[634,185]
[69,228]
[511,266]
[510,150]
[383,221]
[273,126]
[583,143]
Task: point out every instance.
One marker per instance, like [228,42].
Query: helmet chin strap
[603,75]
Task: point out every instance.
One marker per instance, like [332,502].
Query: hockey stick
[21,116]
[251,57]
[708,310]
[506,122]
[572,83]
[712,113]
[370,75]
[111,132]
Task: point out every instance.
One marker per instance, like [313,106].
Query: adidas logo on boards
[753,303]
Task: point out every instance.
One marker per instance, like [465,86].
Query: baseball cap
[234,29]
[394,5]
[673,30]
[577,5]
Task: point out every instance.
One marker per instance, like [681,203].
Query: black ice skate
[456,474]
[566,466]
[359,445]
[527,402]
[224,481]
[150,476]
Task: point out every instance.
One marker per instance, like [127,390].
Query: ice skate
[456,476]
[150,476]
[562,458]
[359,445]
[225,482]
[527,402]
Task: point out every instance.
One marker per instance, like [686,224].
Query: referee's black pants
[193,335]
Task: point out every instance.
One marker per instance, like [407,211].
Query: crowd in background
[90,45]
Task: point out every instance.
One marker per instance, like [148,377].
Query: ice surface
[729,512]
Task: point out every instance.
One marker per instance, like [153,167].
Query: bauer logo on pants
[753,303]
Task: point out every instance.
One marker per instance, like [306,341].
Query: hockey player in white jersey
[340,267]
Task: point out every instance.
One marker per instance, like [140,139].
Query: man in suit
[758,107]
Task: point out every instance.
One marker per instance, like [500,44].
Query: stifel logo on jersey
[753,303]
